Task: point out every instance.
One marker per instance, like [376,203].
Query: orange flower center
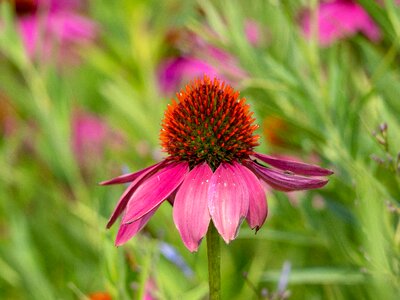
[208,123]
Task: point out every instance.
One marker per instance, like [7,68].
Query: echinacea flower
[91,137]
[199,57]
[253,32]
[173,71]
[43,24]
[338,19]
[212,172]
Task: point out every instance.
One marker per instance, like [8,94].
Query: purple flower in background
[175,71]
[212,172]
[90,135]
[47,24]
[201,59]
[339,19]
[252,31]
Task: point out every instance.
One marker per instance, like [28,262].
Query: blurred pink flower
[339,19]
[150,290]
[45,24]
[90,136]
[201,59]
[252,30]
[211,173]
[174,72]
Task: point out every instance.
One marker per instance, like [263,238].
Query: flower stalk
[214,262]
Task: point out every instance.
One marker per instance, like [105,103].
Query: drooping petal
[130,177]
[293,166]
[123,201]
[258,209]
[126,231]
[284,181]
[190,211]
[155,190]
[228,200]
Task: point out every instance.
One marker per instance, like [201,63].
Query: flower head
[44,24]
[89,135]
[338,19]
[209,124]
[212,172]
[253,32]
[174,71]
[198,57]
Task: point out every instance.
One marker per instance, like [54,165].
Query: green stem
[214,261]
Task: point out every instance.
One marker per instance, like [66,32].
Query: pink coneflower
[253,32]
[174,71]
[339,19]
[200,58]
[212,172]
[45,24]
[90,135]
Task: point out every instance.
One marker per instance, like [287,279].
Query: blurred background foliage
[83,86]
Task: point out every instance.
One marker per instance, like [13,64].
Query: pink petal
[252,30]
[89,136]
[258,209]
[228,201]
[339,19]
[126,231]
[63,26]
[71,27]
[29,29]
[191,214]
[286,182]
[293,166]
[123,201]
[173,72]
[60,5]
[155,190]
[132,176]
